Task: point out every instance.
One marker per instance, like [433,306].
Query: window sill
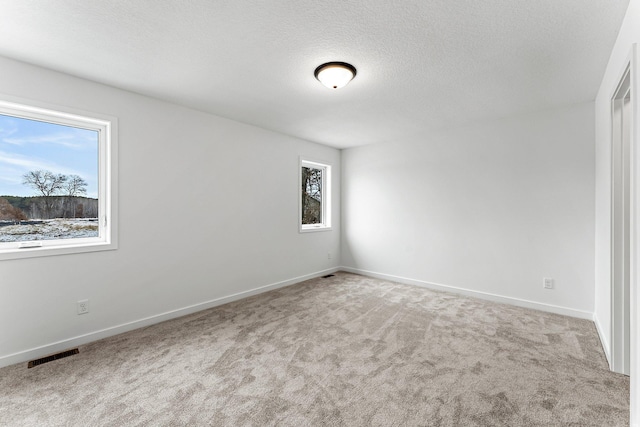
[51,250]
[311,229]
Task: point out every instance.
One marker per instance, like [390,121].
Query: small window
[56,181]
[315,197]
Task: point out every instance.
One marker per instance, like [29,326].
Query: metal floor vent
[52,357]
[327,276]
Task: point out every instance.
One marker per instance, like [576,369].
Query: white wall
[628,35]
[490,208]
[207,209]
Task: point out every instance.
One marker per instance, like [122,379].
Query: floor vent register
[53,357]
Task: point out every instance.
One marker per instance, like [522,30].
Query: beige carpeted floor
[342,351]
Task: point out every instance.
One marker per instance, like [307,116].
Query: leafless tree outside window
[75,186]
[311,195]
[47,184]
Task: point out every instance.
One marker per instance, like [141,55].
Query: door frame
[622,221]
[632,64]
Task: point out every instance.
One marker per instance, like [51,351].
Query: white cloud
[29,163]
[11,176]
[5,132]
[68,140]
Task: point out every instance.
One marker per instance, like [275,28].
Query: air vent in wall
[52,357]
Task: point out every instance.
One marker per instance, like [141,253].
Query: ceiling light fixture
[335,75]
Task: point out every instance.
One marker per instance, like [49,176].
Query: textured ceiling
[422,65]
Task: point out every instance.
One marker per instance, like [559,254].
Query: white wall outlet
[547,282]
[328,255]
[83,306]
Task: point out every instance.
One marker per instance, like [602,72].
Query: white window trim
[107,171]
[326,196]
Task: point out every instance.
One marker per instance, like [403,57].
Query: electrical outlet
[329,255]
[547,282]
[83,306]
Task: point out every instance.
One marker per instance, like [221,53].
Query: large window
[56,182]
[315,196]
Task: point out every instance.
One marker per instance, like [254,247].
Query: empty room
[338,213]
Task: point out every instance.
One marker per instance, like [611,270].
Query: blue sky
[27,145]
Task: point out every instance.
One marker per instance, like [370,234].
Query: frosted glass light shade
[335,75]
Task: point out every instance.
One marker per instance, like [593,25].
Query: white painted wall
[490,208]
[628,35]
[207,210]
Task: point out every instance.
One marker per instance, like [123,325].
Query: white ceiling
[422,65]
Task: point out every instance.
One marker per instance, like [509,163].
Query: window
[56,182]
[315,197]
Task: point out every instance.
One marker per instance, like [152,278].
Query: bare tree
[75,186]
[47,184]
[311,195]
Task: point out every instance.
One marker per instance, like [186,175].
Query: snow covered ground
[50,229]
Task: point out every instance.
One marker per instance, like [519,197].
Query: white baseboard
[476,294]
[605,344]
[58,346]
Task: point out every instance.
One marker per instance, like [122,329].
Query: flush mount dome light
[335,75]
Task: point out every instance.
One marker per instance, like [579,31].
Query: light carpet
[343,351]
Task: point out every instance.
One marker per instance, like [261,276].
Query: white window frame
[326,196]
[106,126]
